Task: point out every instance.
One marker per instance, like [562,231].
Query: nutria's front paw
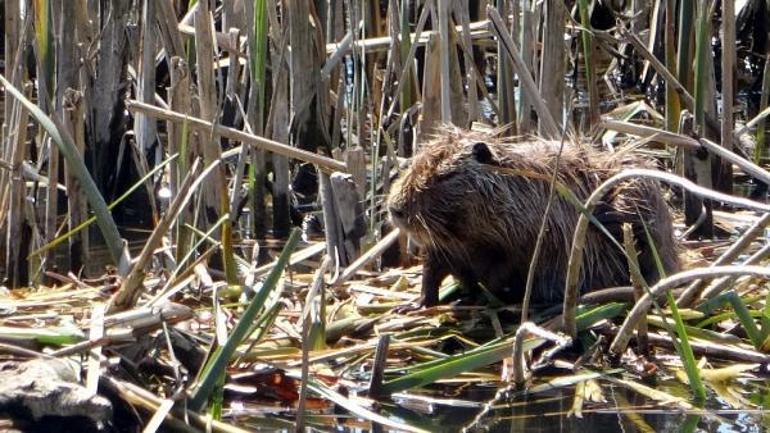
[408,308]
[421,304]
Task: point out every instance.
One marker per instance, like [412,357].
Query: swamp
[345,215]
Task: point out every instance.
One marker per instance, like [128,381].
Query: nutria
[475,204]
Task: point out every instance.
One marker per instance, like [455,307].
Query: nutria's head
[445,185]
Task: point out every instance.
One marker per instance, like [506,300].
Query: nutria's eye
[444,176]
[481,153]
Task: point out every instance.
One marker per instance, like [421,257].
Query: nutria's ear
[481,153]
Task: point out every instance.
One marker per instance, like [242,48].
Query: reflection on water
[624,411]
[99,258]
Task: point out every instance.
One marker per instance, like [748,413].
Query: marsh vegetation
[194,234]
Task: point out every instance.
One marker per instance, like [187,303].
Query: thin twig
[541,233]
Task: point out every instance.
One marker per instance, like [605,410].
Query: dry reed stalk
[74,124]
[132,286]
[14,134]
[638,282]
[19,227]
[553,64]
[446,78]
[528,42]
[69,107]
[639,310]
[178,100]
[528,84]
[52,201]
[205,53]
[736,249]
[104,90]
[407,62]
[368,257]
[505,87]
[324,163]
[461,10]
[719,285]
[279,116]
[728,91]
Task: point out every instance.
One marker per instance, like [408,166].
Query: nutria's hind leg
[647,212]
[665,249]
[654,233]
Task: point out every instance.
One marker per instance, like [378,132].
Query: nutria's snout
[397,214]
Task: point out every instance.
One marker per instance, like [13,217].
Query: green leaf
[589,318]
[78,169]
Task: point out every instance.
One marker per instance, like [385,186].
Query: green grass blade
[608,311]
[683,49]
[685,352]
[221,357]
[744,316]
[54,336]
[259,58]
[482,356]
[587,43]
[44,47]
[452,366]
[765,319]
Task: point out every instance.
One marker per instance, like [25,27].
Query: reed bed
[195,237]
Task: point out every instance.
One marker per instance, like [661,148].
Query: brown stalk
[325,163]
[132,286]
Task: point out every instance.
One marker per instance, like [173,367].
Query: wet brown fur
[475,205]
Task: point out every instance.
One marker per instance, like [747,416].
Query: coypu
[475,205]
